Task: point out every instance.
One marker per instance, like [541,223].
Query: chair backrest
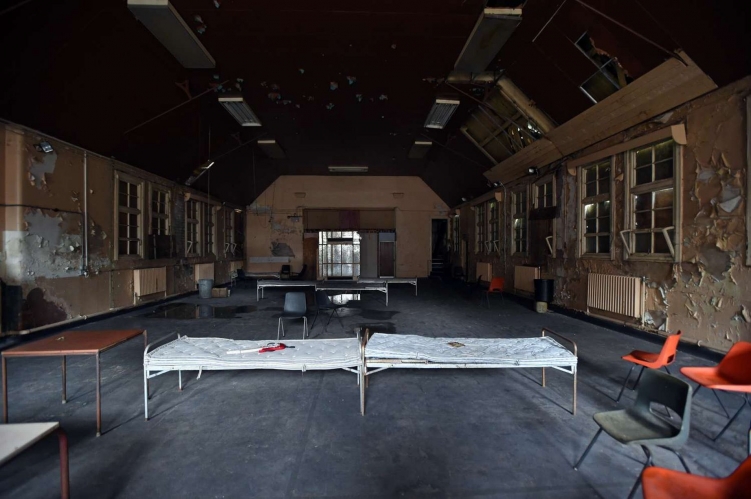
[294,303]
[669,349]
[734,366]
[660,388]
[497,284]
[322,300]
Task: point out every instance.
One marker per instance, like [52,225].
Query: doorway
[386,254]
[439,247]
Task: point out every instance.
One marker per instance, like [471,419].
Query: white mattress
[211,353]
[520,352]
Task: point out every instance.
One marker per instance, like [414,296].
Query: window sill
[597,256]
[651,258]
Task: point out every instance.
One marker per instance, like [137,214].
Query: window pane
[664,169]
[591,243]
[643,220]
[643,175]
[133,220]
[590,174]
[644,202]
[603,208]
[603,243]
[603,224]
[661,245]
[133,247]
[664,198]
[591,189]
[643,242]
[122,247]
[603,186]
[663,150]
[123,194]
[644,157]
[591,226]
[664,218]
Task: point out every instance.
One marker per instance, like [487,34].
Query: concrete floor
[427,433]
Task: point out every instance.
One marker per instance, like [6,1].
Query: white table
[353,286]
[391,280]
[16,438]
[261,285]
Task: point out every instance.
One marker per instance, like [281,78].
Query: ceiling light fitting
[441,113]
[198,172]
[348,169]
[44,146]
[533,170]
[239,109]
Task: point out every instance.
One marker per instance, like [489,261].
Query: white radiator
[524,278]
[149,281]
[204,271]
[485,271]
[621,295]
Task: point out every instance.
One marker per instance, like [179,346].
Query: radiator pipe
[85,257]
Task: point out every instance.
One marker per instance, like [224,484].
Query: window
[595,208]
[209,219]
[192,227]
[128,216]
[455,233]
[338,255]
[544,194]
[609,77]
[494,243]
[652,204]
[229,231]
[481,228]
[160,212]
[519,204]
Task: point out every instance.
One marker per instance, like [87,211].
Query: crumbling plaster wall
[42,244]
[270,231]
[708,294]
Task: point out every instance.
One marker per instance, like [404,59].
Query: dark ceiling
[87,71]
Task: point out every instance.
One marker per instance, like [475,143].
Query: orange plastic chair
[732,374]
[496,287]
[660,483]
[652,360]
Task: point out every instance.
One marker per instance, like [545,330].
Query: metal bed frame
[391,280]
[383,364]
[149,373]
[353,286]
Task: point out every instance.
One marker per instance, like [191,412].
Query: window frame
[548,179]
[676,183]
[139,183]
[581,224]
[196,246]
[514,193]
[161,216]
[481,228]
[209,229]
[493,233]
[455,223]
[229,231]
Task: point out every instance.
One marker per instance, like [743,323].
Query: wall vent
[441,113]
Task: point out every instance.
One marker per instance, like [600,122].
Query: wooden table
[16,438]
[70,343]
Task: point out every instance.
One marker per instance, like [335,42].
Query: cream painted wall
[268,225]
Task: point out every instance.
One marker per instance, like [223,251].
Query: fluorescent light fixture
[198,172]
[272,149]
[348,169]
[441,113]
[419,149]
[166,24]
[492,30]
[239,109]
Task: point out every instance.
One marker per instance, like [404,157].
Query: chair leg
[737,413]
[638,480]
[282,322]
[727,415]
[586,451]
[278,328]
[638,378]
[625,381]
[305,328]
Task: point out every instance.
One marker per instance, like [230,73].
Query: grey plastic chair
[295,307]
[639,425]
[324,304]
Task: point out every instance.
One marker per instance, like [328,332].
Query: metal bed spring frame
[381,287]
[147,372]
[383,364]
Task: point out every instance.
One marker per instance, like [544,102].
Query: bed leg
[146,394]
[180,380]
[363,381]
[543,377]
[573,409]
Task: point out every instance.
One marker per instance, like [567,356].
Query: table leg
[5,391]
[64,471]
[98,398]
[65,369]
[543,377]
[146,378]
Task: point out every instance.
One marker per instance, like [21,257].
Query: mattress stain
[191,311]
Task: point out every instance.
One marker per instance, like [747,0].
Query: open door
[386,254]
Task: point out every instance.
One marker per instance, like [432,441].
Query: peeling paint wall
[708,294]
[272,233]
[42,243]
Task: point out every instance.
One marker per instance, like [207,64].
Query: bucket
[544,290]
[204,287]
